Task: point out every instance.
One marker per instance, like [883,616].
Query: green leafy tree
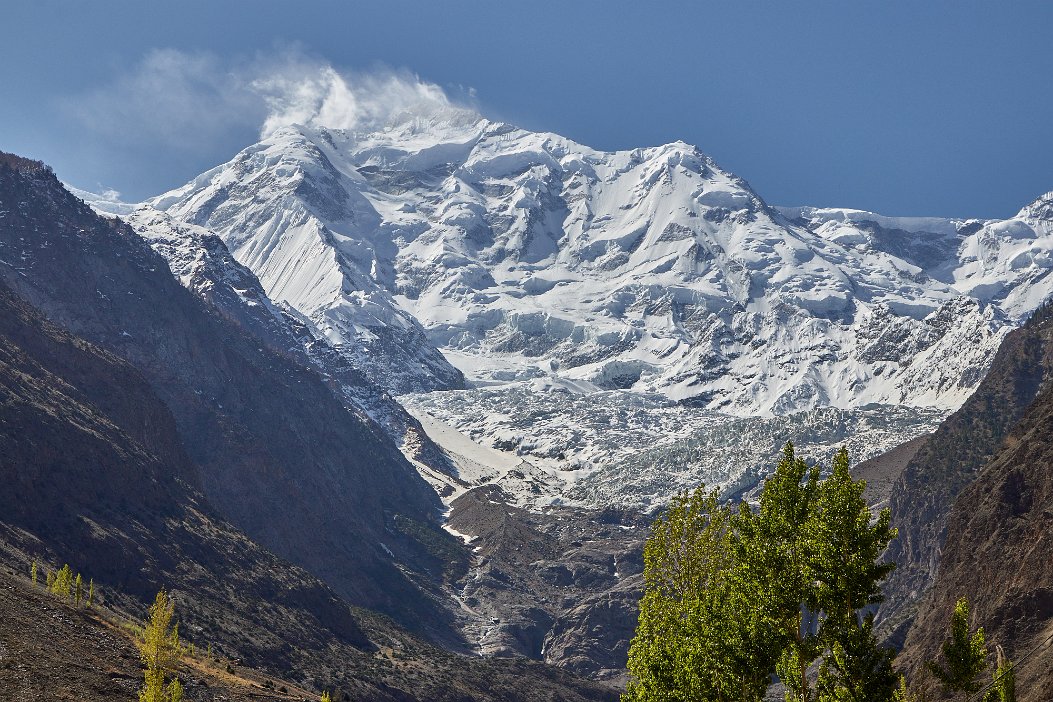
[1003,682]
[696,638]
[848,545]
[326,698]
[964,655]
[78,590]
[159,651]
[33,572]
[905,694]
[731,598]
[91,593]
[777,547]
[856,668]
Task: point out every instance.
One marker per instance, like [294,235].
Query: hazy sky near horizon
[901,107]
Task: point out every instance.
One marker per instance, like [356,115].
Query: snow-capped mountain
[631,324]
[285,212]
[524,255]
[1002,263]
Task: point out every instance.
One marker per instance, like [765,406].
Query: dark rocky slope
[96,472]
[560,585]
[950,459]
[50,651]
[268,443]
[998,552]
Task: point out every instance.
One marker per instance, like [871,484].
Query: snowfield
[606,326]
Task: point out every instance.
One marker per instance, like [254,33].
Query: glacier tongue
[545,446]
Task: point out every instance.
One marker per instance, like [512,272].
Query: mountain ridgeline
[525,255]
[950,459]
[226,390]
[268,444]
[998,552]
[150,439]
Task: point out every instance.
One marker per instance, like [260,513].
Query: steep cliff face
[950,459]
[102,468]
[265,439]
[998,552]
[560,585]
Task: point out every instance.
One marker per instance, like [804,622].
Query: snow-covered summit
[1039,211]
[524,255]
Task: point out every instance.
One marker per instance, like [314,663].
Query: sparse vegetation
[964,655]
[62,582]
[159,651]
[965,659]
[65,583]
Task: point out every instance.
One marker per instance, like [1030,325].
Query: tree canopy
[733,598]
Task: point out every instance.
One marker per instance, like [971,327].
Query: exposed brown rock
[951,458]
[881,472]
[999,554]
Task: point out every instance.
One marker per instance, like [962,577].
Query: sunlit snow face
[565,274]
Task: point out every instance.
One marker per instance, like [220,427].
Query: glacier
[517,290]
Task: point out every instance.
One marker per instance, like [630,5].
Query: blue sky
[926,108]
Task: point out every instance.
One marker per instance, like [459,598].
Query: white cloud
[171,96]
[110,194]
[195,100]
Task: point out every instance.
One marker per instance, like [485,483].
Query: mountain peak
[1040,209]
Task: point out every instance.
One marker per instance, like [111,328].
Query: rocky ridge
[104,471]
[950,460]
[269,445]
[997,551]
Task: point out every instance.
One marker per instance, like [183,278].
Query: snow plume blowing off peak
[324,97]
[199,103]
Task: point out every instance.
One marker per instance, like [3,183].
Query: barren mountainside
[96,458]
[998,552]
[270,446]
[950,459]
